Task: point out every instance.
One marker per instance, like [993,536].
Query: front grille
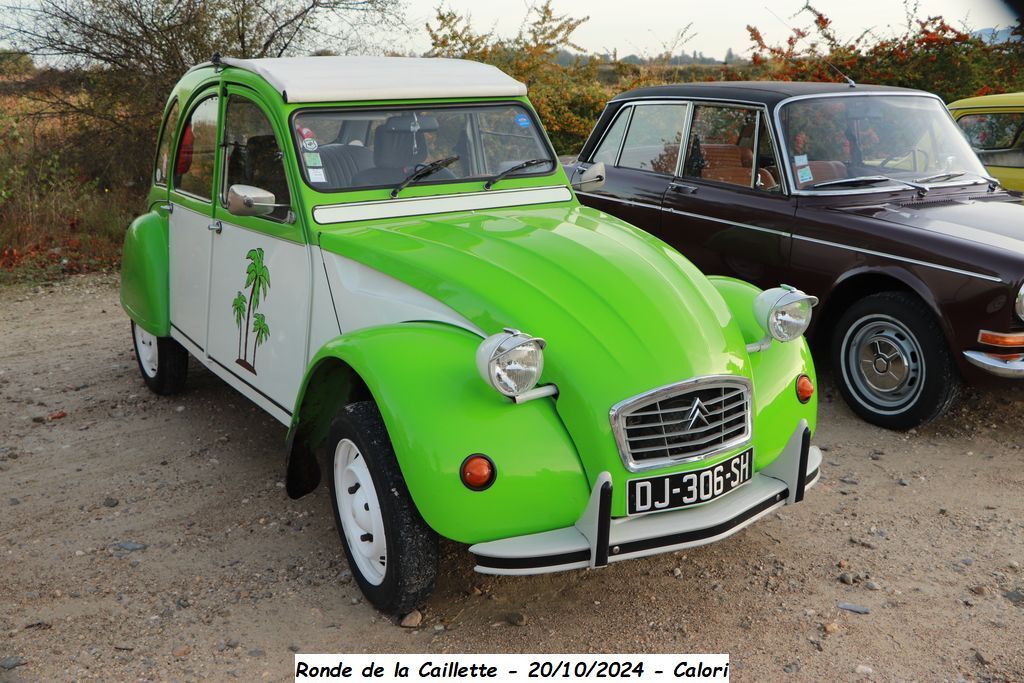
[686,421]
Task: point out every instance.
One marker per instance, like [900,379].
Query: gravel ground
[151,538]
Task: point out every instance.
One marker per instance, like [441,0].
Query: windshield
[853,142]
[366,148]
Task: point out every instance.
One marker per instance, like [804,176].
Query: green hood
[621,311]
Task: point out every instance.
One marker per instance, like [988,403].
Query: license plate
[684,489]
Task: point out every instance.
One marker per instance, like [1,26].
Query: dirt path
[150,538]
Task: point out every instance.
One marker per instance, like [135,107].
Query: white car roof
[334,79]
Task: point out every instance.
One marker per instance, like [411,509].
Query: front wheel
[892,363]
[390,549]
[163,362]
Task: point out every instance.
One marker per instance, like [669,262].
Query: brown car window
[721,147]
[608,150]
[252,154]
[193,166]
[653,139]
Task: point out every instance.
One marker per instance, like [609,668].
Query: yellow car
[994,125]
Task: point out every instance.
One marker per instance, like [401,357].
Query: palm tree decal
[261,330]
[238,310]
[257,280]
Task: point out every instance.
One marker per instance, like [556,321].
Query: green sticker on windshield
[312,159]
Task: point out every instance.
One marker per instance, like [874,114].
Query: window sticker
[316,175]
[523,121]
[804,174]
[800,160]
[312,159]
[310,145]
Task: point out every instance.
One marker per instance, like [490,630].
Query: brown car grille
[691,420]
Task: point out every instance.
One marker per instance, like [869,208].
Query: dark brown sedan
[866,196]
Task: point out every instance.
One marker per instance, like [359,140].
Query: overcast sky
[643,26]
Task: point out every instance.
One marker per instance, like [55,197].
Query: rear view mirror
[590,178]
[246,200]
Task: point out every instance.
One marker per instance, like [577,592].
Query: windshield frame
[408,105]
[896,185]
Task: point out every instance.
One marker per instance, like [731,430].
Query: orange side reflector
[1001,338]
[477,472]
[804,388]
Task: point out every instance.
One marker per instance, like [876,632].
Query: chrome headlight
[784,312]
[1020,303]
[511,361]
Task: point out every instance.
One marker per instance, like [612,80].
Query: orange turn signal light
[1001,338]
[804,388]
[477,472]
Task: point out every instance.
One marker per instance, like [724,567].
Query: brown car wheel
[892,363]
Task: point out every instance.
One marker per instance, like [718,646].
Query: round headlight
[511,361]
[1020,303]
[784,312]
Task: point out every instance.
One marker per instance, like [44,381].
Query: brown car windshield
[852,142]
[368,148]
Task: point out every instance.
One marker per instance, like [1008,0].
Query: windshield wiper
[509,171]
[419,174]
[865,179]
[939,176]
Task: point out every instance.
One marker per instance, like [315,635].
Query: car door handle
[216,226]
[680,187]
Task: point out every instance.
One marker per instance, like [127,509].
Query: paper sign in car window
[800,160]
[804,174]
[316,175]
[312,159]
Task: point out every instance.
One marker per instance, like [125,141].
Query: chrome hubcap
[146,350]
[883,363]
[360,513]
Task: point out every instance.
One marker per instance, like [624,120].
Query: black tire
[411,547]
[892,363]
[167,375]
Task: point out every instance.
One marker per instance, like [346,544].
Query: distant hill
[995,35]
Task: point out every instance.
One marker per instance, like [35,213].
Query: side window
[654,136]
[163,152]
[608,150]
[721,147]
[197,146]
[993,131]
[253,157]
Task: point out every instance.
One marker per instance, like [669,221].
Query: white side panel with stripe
[364,297]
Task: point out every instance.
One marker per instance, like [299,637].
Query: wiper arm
[419,174]
[939,176]
[865,179]
[509,171]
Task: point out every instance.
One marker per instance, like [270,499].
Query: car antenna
[835,68]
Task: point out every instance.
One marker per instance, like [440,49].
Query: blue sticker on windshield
[522,120]
[804,175]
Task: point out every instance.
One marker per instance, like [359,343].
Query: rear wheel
[163,362]
[390,549]
[892,363]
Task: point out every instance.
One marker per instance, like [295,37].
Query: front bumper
[1001,367]
[597,539]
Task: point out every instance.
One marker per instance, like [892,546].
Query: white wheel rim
[145,349]
[359,510]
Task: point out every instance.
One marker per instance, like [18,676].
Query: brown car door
[726,209]
[640,151]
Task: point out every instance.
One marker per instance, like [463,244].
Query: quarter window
[252,155]
[163,154]
[654,136]
[193,166]
[608,150]
[993,131]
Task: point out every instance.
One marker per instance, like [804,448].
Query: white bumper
[597,539]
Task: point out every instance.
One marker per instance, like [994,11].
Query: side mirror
[591,178]
[246,200]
